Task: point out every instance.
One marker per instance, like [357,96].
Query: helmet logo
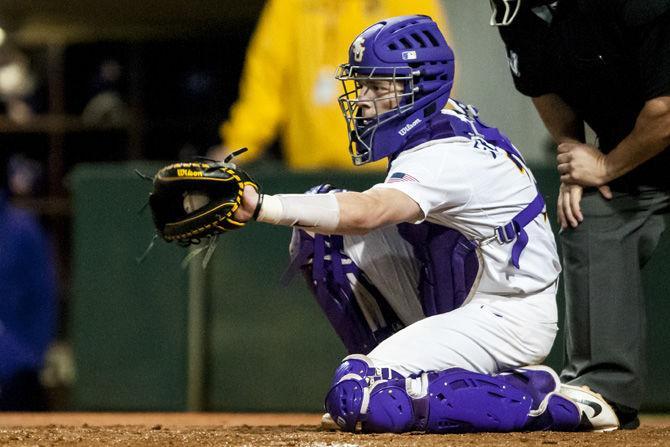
[408,55]
[358,48]
[403,130]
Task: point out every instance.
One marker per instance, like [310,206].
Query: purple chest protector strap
[449,265]
[512,231]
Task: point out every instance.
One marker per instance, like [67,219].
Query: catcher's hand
[194,200]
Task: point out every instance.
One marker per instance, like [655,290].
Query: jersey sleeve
[434,180]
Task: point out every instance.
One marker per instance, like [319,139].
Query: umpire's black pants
[605,311]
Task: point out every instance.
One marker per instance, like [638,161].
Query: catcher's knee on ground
[451,401]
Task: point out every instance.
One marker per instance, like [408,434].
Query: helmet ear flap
[429,71]
[430,86]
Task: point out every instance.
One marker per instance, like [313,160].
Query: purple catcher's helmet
[406,49]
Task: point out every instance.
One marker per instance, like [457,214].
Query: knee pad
[381,407]
[347,401]
[362,393]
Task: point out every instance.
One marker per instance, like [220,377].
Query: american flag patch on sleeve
[401,177]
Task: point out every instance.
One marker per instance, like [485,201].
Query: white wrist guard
[316,212]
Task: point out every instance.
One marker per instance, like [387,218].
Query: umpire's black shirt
[604,58]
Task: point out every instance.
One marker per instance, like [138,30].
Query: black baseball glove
[194,200]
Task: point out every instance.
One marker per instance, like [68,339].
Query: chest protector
[449,260]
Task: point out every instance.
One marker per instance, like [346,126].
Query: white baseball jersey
[473,187]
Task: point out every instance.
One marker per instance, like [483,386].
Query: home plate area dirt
[300,430]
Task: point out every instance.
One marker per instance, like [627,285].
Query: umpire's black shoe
[628,417]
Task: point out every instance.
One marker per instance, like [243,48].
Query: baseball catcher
[440,281]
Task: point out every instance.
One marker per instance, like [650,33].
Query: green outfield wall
[231,337]
[128,321]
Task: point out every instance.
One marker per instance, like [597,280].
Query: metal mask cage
[507,16]
[362,129]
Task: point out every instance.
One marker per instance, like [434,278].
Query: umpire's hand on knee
[582,164]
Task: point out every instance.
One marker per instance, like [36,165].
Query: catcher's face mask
[370,100]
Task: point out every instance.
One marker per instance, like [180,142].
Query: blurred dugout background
[90,91]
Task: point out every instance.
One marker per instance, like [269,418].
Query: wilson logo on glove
[189,173]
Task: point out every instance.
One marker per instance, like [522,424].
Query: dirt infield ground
[298,430]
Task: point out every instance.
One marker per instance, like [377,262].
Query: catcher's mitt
[194,200]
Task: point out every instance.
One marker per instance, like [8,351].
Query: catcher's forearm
[316,212]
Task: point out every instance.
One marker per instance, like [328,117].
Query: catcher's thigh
[388,261]
[487,335]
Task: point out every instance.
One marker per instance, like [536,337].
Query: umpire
[605,63]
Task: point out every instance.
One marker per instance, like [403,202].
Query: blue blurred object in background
[27,308]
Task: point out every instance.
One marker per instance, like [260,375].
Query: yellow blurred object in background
[288,86]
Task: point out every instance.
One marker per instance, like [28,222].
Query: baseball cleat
[327,423]
[596,414]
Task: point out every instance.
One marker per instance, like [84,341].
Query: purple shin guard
[537,381]
[549,411]
[461,401]
[450,401]
[348,399]
[524,399]
[560,414]
[380,407]
[449,268]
